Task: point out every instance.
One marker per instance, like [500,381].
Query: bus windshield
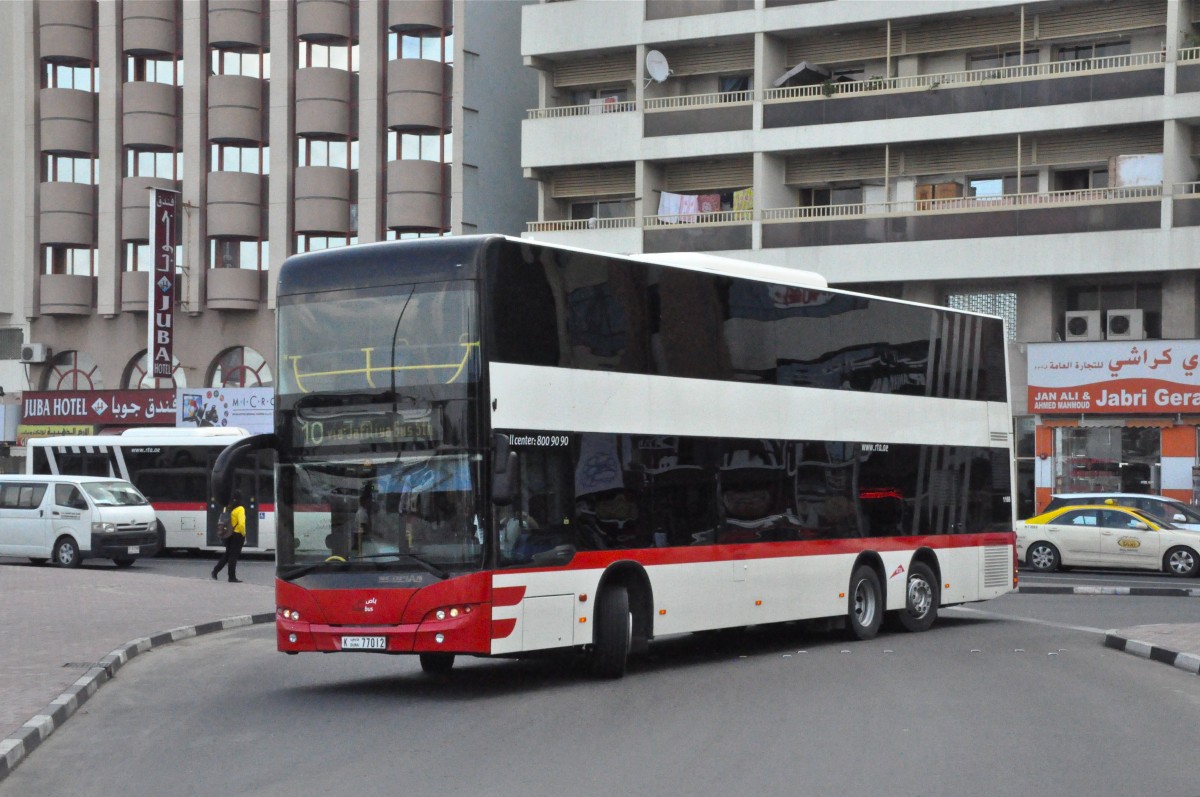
[398,512]
[393,337]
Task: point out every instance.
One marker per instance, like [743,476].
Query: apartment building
[1033,160]
[285,126]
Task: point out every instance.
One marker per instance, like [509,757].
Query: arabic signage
[251,408]
[164,205]
[1127,377]
[100,407]
[28,430]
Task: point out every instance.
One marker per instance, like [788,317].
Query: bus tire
[614,632]
[437,663]
[921,599]
[66,552]
[162,538]
[123,561]
[864,611]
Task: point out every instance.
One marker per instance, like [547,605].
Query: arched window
[72,370]
[137,374]
[240,366]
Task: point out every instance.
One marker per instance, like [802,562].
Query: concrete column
[283,141]
[1180,320]
[372,65]
[109,128]
[1038,317]
[194,135]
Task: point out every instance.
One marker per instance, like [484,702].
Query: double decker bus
[490,446]
[172,468]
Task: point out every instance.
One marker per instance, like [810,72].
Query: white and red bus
[490,447]
[172,468]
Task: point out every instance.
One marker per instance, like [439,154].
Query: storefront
[1115,416]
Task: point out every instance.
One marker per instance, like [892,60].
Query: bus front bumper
[469,634]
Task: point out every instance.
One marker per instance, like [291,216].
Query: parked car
[69,518]
[1174,512]
[1106,535]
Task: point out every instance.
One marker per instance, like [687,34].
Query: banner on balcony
[164,212]
[1127,377]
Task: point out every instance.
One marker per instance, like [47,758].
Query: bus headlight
[289,614]
[103,528]
[448,613]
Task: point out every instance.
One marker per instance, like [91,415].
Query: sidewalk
[59,628]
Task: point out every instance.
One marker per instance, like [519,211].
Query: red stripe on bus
[779,550]
[503,628]
[507,596]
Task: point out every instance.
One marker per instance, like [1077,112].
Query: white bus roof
[733,267]
[147,436]
[204,431]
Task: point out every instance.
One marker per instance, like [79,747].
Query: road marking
[998,616]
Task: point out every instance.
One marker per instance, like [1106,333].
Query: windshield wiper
[304,570]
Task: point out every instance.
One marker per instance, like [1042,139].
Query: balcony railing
[1086,196]
[1189,54]
[1189,190]
[720,217]
[582,224]
[616,106]
[969,77]
[698,100]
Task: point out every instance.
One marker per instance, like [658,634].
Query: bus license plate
[364,643]
[135,549]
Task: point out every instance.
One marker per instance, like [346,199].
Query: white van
[69,518]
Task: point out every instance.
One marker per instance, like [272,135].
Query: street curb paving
[1189,662]
[1159,592]
[15,749]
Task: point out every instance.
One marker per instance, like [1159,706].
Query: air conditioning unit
[34,352]
[1083,325]
[1126,325]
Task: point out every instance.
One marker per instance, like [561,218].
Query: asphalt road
[1017,696]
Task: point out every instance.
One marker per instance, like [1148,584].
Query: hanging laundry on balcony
[668,207]
[743,199]
[709,203]
[689,205]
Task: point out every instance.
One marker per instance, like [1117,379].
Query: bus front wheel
[614,632]
[865,609]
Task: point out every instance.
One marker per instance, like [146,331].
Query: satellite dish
[656,66]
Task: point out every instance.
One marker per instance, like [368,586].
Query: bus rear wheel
[437,663]
[865,609]
[614,633]
[921,599]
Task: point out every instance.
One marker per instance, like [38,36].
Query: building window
[240,366]
[1001,185]
[69,169]
[144,69]
[231,158]
[149,163]
[730,83]
[435,46]
[79,262]
[1089,50]
[342,154]
[255,63]
[237,253]
[81,76]
[602,209]
[71,370]
[333,56]
[420,146]
[823,197]
[1107,459]
[136,256]
[1001,303]
[1080,179]
[137,375]
[315,243]
[392,234]
[998,59]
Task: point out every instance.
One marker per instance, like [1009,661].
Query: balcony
[1186,205]
[977,90]
[1049,213]
[698,232]
[1187,76]
[718,112]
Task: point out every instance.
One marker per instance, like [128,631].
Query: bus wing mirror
[229,459]
[504,465]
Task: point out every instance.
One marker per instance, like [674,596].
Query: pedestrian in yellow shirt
[235,541]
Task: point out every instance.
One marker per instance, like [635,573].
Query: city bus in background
[490,446]
[172,468]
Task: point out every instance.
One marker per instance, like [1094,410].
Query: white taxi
[1106,536]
